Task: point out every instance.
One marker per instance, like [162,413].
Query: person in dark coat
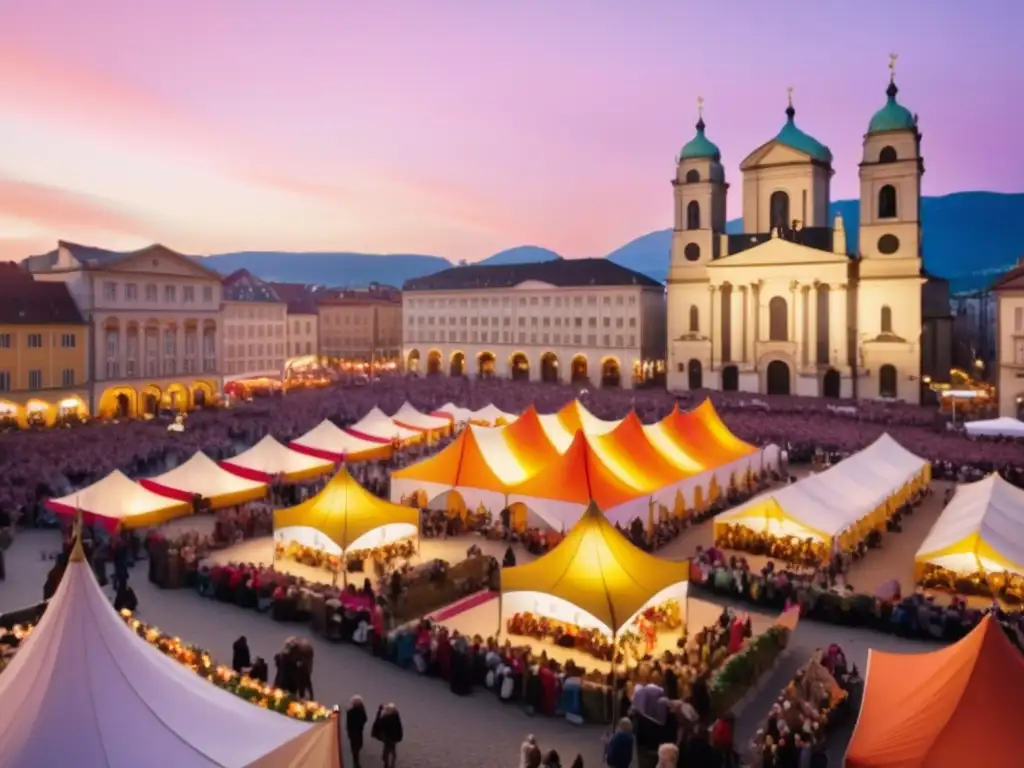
[125,599]
[259,670]
[355,723]
[509,560]
[284,676]
[240,656]
[387,729]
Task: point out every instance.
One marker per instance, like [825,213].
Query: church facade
[785,307]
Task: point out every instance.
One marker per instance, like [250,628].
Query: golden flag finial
[789,96]
[700,107]
[892,66]
[77,550]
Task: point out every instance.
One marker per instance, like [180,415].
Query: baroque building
[786,307]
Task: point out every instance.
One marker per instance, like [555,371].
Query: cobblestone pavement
[441,730]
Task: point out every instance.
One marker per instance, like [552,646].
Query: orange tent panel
[442,467]
[958,706]
[695,435]
[635,457]
[722,434]
[528,441]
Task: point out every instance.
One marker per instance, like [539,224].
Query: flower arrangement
[200,662]
[742,670]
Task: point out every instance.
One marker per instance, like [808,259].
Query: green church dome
[794,138]
[893,116]
[700,147]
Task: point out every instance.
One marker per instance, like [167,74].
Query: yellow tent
[597,570]
[346,513]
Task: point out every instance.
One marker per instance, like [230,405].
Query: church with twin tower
[787,307]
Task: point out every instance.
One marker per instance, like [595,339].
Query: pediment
[771,153]
[779,252]
[161,260]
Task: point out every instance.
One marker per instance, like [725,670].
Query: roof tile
[562,273]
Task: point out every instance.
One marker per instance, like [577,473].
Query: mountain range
[968,238]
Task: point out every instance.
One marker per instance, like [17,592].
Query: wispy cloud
[47,207]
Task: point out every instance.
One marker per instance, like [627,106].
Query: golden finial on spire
[789,95]
[892,66]
[700,107]
[77,550]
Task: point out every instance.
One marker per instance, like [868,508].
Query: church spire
[892,90]
[700,114]
[790,111]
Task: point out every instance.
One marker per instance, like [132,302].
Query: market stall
[954,707]
[117,501]
[378,426]
[332,443]
[201,476]
[269,460]
[1004,426]
[410,418]
[456,413]
[83,689]
[491,416]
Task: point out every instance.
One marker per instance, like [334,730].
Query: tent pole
[615,681]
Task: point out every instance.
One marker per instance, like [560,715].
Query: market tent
[332,443]
[627,450]
[454,412]
[1004,426]
[702,431]
[593,578]
[573,417]
[560,492]
[345,516]
[981,530]
[378,426]
[410,418]
[268,459]
[954,707]
[491,416]
[202,476]
[85,690]
[116,501]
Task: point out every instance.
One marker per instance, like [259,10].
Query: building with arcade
[582,320]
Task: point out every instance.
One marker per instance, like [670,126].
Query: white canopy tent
[202,476]
[377,425]
[457,413]
[117,500]
[491,415]
[269,459]
[329,441]
[85,690]
[408,416]
[1004,426]
[980,530]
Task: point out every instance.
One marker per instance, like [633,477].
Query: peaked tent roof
[454,412]
[702,432]
[202,476]
[492,415]
[981,529]
[573,417]
[1004,426]
[408,416]
[85,690]
[344,511]
[269,459]
[942,709]
[377,425]
[578,476]
[329,441]
[597,569]
[629,452]
[118,501]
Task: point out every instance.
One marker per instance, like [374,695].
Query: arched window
[692,176]
[778,319]
[778,204]
[887,381]
[887,155]
[886,319]
[694,319]
[887,202]
[693,215]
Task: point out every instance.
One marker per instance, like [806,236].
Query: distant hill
[524,254]
[336,269]
[968,238]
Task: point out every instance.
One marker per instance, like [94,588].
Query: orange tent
[702,434]
[954,707]
[628,451]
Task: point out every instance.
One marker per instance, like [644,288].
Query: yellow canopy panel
[346,513]
[598,570]
[765,514]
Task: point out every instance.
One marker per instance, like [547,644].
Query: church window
[693,215]
[778,204]
[887,381]
[887,202]
[886,319]
[692,176]
[778,319]
[887,155]
[694,319]
[692,252]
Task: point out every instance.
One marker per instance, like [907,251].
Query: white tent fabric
[328,438]
[562,438]
[269,457]
[491,414]
[84,690]
[459,414]
[115,497]
[411,417]
[203,476]
[377,424]
[1004,426]
[989,513]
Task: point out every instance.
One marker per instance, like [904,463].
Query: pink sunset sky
[458,128]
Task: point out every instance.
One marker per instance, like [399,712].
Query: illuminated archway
[71,410]
[485,365]
[176,398]
[457,365]
[10,415]
[549,368]
[611,373]
[412,361]
[149,400]
[118,403]
[519,366]
[39,413]
[203,394]
[434,367]
[579,370]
